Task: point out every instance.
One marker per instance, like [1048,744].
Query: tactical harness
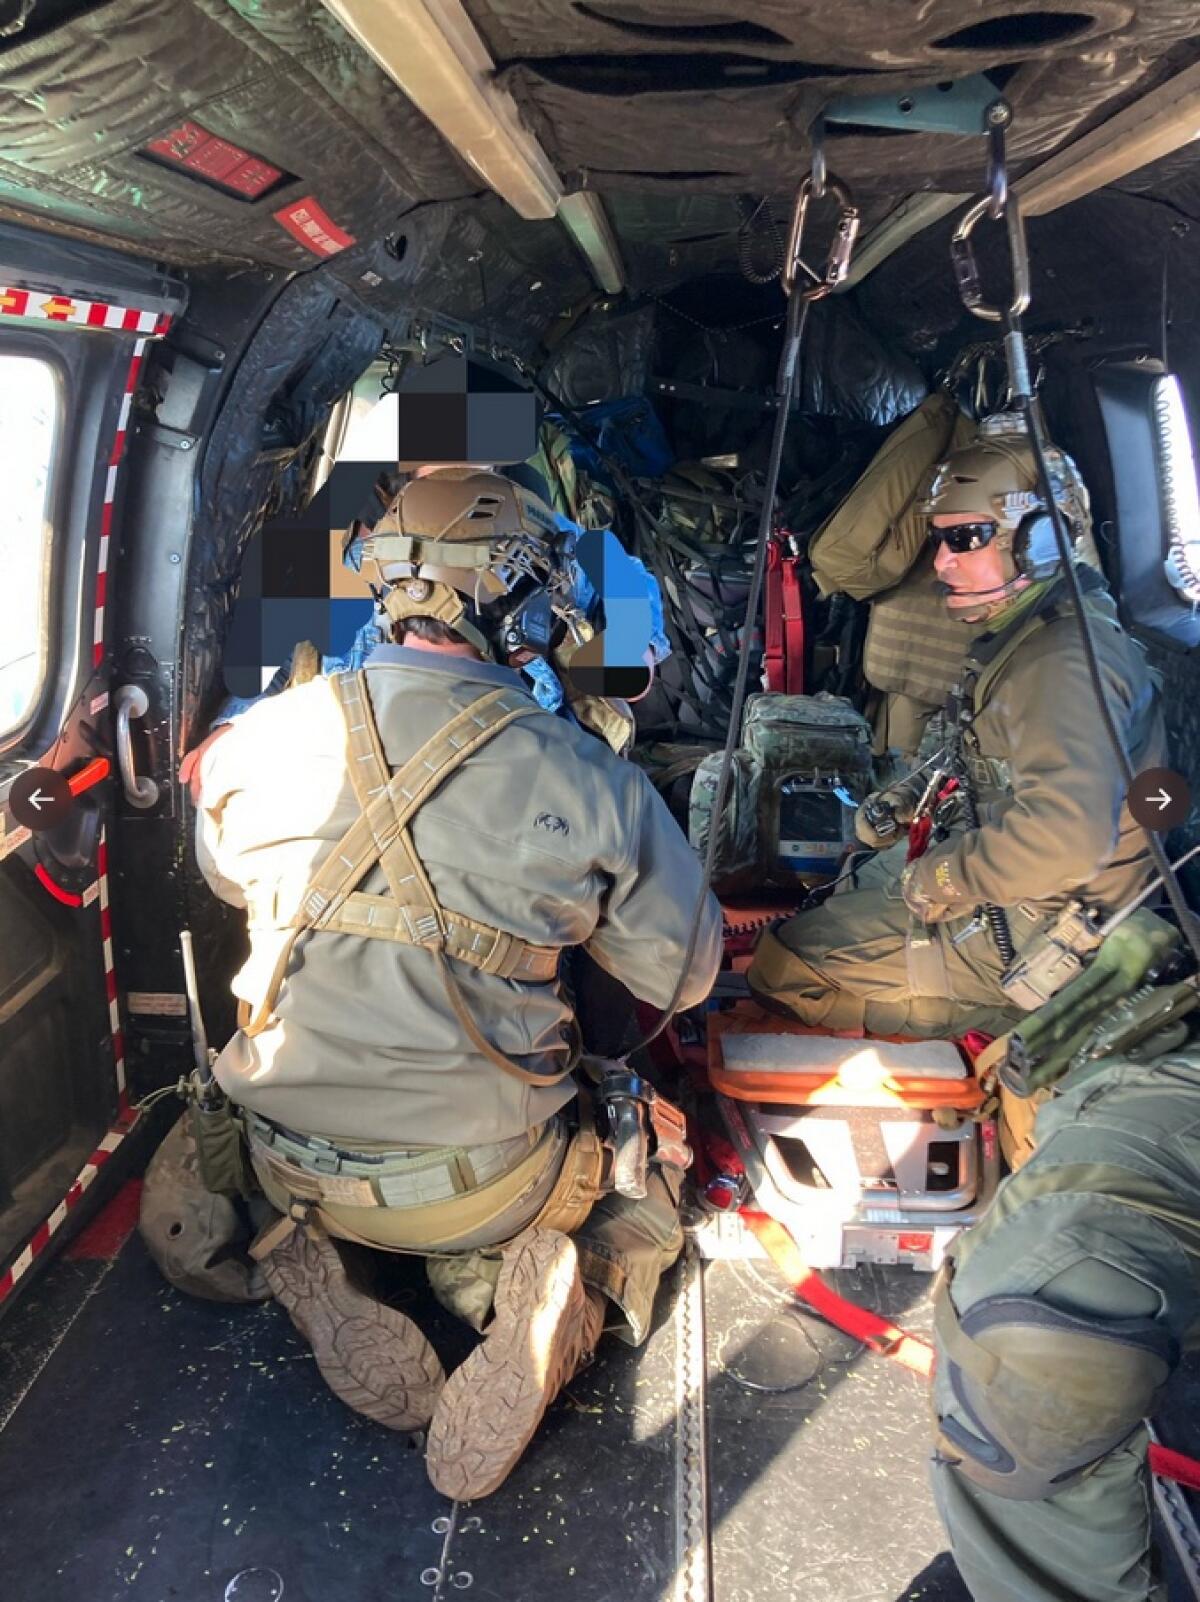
[412,914]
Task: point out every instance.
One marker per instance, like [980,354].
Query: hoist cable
[797,317]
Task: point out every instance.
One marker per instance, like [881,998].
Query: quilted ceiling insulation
[669,108]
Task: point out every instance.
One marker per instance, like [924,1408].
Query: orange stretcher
[753,1055]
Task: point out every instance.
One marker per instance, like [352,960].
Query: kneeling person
[1059,1319]
[912,948]
[415,845]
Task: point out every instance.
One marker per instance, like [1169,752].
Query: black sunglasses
[962,537]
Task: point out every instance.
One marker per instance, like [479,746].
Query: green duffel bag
[814,754]
[876,535]
[737,861]
[803,766]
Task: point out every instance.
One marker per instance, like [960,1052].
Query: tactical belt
[312,1169]
[400,1179]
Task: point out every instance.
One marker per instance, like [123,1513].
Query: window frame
[89,364]
[1183,575]
[50,639]
[1151,608]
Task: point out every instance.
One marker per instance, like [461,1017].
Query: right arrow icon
[1160,799]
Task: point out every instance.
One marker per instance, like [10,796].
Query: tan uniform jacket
[544,832]
[1064,828]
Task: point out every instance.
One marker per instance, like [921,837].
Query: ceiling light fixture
[433,52]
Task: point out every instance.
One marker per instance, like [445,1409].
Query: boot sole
[372,1357]
[492,1405]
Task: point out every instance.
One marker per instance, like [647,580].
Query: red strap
[883,1338]
[887,1340]
[774,661]
[793,626]
[918,837]
[1169,1465]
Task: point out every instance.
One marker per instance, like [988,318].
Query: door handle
[132,702]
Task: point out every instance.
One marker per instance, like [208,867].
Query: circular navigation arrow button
[40,798]
[1160,799]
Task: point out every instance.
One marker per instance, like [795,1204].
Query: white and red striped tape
[110,979]
[42,1235]
[58,307]
[69,309]
[110,495]
[127,1116]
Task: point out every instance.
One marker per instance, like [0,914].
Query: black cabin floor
[158,1447]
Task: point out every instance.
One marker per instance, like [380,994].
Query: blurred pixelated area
[294,586]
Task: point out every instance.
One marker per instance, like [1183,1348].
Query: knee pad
[1039,1394]
[198,1239]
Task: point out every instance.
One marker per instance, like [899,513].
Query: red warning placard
[193,149]
[313,228]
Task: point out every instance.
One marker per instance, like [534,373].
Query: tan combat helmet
[475,551]
[995,479]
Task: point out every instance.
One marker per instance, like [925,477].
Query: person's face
[986,569]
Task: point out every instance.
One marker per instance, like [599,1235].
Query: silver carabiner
[966,269]
[837,263]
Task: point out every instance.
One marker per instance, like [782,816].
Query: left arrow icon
[40,798]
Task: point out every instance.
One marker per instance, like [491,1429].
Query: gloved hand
[870,820]
[919,904]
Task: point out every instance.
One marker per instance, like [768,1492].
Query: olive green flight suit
[1102,1225]
[1053,825]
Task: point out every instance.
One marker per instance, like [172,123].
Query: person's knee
[1034,1390]
[784,977]
[625,1246]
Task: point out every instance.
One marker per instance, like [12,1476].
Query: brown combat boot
[371,1356]
[546,1324]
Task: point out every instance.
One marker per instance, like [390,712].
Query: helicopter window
[30,428]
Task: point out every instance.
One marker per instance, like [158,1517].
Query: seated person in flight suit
[912,949]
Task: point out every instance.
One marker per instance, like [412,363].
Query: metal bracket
[742,400]
[961,107]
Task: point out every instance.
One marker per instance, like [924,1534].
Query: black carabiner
[837,263]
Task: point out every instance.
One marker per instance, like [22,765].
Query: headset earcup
[1035,549]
